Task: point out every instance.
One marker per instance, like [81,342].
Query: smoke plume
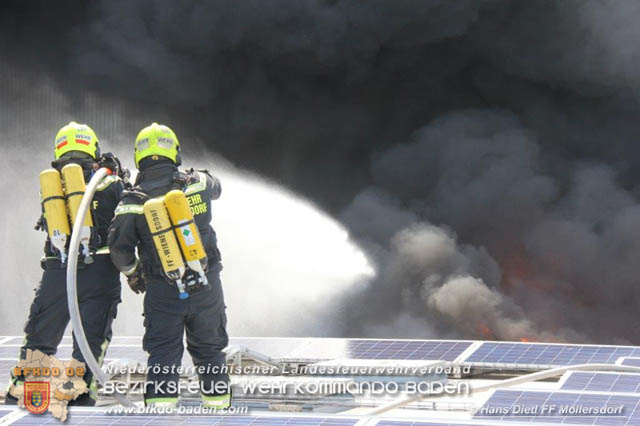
[483,153]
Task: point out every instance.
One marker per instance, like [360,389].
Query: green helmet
[76,137]
[156,140]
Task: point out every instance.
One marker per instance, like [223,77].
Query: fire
[485,331]
[531,283]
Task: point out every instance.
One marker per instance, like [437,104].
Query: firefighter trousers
[166,320]
[98,295]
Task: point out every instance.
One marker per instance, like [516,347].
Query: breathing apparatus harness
[88,166]
[191,281]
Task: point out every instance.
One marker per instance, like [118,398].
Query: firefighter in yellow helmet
[98,281]
[176,303]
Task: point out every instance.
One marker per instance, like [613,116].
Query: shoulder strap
[135,194]
[132,201]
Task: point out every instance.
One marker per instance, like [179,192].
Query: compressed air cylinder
[74,187]
[55,210]
[186,232]
[165,242]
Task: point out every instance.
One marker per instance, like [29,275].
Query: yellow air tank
[165,242]
[74,187]
[55,210]
[186,232]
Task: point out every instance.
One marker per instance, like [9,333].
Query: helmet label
[165,143]
[142,144]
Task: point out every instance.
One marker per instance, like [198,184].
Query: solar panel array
[540,354]
[283,348]
[602,382]
[537,355]
[306,349]
[578,391]
[528,406]
[96,418]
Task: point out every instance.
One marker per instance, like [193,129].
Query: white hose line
[72,290]
[514,381]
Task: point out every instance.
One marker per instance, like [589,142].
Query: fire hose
[72,290]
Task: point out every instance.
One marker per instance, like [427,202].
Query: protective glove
[111,162]
[136,280]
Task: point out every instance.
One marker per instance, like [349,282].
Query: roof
[331,381]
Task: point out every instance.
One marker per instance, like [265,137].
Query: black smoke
[483,152]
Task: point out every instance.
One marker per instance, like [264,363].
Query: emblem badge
[36,396]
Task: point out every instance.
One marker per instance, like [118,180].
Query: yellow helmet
[156,139]
[76,137]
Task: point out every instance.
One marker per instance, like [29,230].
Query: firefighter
[167,314]
[98,280]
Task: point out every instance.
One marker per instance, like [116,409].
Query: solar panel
[602,382]
[407,349]
[280,348]
[7,364]
[432,423]
[9,351]
[319,349]
[99,418]
[561,407]
[66,340]
[64,352]
[632,362]
[547,355]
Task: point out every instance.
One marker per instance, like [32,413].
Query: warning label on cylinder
[187,235]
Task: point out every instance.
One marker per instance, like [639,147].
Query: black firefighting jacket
[129,227]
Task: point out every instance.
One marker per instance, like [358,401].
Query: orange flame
[485,331]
